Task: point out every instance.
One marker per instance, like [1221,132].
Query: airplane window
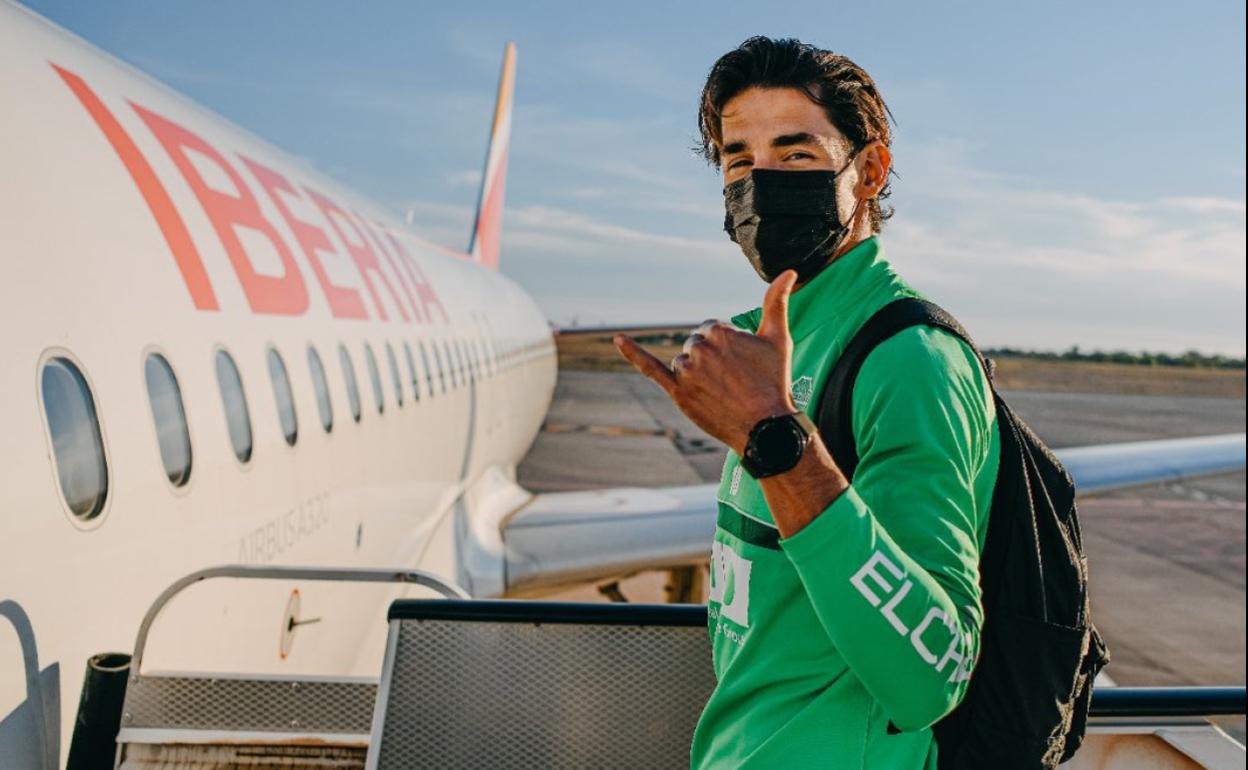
[411,371]
[285,399]
[428,371]
[469,363]
[491,355]
[172,435]
[321,385]
[460,362]
[237,417]
[394,374]
[450,364]
[375,375]
[479,358]
[77,445]
[458,350]
[348,374]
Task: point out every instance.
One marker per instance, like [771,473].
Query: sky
[1068,173]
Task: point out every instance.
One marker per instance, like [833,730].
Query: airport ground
[1167,561]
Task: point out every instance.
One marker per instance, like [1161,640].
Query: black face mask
[786,220]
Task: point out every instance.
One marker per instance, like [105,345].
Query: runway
[1167,561]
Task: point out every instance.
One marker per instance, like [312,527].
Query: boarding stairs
[520,684]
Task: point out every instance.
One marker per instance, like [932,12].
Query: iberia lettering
[232,204]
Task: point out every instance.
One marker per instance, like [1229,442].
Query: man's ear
[873,163]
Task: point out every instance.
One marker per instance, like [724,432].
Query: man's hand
[724,379]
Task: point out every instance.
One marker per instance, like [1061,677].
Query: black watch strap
[776,444]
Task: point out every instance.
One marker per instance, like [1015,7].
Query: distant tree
[1192,359]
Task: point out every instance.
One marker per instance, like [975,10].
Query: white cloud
[623,226]
[1050,268]
[1022,265]
[1206,205]
[567,232]
[464,178]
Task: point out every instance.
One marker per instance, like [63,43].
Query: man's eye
[798,156]
[738,163]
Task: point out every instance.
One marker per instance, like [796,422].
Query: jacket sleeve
[891,566]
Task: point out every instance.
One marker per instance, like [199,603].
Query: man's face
[778,128]
[782,129]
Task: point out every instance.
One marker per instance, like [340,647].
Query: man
[844,618]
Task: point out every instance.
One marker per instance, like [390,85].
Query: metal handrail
[344,574]
[1167,701]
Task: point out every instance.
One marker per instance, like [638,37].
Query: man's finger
[705,326]
[775,320]
[690,341]
[646,363]
[679,364]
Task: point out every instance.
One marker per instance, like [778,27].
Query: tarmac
[1167,561]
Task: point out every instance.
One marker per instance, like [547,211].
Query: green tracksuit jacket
[870,615]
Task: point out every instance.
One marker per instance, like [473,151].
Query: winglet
[487,226]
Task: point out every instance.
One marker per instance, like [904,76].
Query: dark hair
[845,91]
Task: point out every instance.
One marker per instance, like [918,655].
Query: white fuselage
[106,263]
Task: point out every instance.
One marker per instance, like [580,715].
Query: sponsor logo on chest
[802,389]
[730,584]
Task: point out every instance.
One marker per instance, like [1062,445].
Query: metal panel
[469,694]
[248,757]
[233,704]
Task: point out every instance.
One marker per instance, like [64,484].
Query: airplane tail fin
[487,226]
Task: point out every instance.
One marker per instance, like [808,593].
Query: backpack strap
[835,416]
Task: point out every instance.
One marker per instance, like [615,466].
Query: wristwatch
[776,444]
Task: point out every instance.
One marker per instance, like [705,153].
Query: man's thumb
[775,320]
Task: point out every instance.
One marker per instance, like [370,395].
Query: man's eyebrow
[735,147]
[788,140]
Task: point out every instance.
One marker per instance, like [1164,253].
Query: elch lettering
[884,585]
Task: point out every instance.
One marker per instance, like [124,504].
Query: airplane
[218,355]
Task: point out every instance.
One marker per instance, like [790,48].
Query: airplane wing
[1107,467]
[563,538]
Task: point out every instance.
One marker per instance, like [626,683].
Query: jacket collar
[839,286]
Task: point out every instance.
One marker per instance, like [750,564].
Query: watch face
[777,445]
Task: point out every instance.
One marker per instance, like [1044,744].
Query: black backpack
[1026,705]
